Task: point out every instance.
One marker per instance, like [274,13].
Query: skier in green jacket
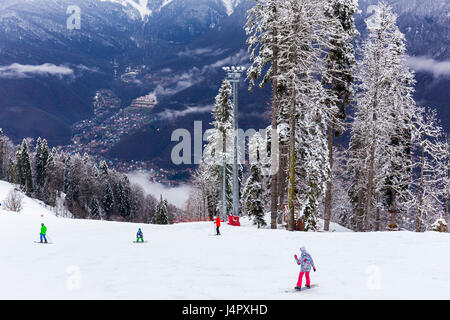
[43,232]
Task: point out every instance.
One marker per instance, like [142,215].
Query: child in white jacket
[306,262]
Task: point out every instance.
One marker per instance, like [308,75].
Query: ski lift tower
[234,76]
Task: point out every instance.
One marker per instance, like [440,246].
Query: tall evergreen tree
[42,155]
[445,174]
[72,186]
[2,155]
[304,32]
[432,164]
[12,171]
[381,135]
[53,178]
[124,198]
[94,209]
[253,195]
[338,80]
[24,173]
[162,212]
[263,44]
[220,147]
[107,199]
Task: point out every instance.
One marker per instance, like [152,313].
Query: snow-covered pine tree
[103,168]
[253,194]
[137,202]
[402,115]
[263,44]
[150,209]
[106,196]
[341,206]
[338,80]
[381,135]
[220,144]
[94,209]
[23,164]
[207,180]
[107,199]
[41,160]
[304,33]
[124,198]
[312,165]
[6,152]
[201,181]
[162,212]
[195,204]
[441,181]
[89,182]
[72,182]
[430,183]
[445,170]
[253,201]
[53,179]
[12,170]
[2,155]
[283,145]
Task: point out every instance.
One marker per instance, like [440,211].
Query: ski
[302,290]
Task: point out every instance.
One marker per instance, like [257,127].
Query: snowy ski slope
[97,260]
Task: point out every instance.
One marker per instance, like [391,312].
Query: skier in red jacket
[218,225]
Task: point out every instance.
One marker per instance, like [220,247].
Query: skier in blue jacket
[140,235]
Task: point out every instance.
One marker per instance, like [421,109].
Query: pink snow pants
[300,277]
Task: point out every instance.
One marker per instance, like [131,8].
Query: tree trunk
[292,162]
[284,157]
[419,207]
[291,189]
[274,155]
[447,195]
[370,192]
[328,194]
[360,212]
[377,220]
[446,209]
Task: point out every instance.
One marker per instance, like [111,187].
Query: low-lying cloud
[172,114]
[175,195]
[240,58]
[179,82]
[17,70]
[201,52]
[426,64]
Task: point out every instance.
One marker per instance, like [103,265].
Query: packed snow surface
[98,260]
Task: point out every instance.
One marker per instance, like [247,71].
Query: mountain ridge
[178,51]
